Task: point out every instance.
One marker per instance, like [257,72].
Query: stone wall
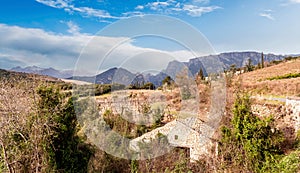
[293,109]
[186,133]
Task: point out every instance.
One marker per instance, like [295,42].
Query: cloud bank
[29,46]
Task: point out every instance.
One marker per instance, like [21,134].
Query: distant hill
[122,76]
[44,71]
[156,79]
[12,76]
[113,75]
[241,58]
[218,63]
[209,64]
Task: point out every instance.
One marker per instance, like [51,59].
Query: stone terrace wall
[293,108]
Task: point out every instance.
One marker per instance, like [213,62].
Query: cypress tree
[262,60]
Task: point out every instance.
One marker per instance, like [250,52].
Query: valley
[153,125]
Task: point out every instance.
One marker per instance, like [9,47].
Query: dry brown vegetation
[18,99]
[257,81]
[33,115]
[273,84]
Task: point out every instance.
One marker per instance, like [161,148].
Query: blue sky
[53,32]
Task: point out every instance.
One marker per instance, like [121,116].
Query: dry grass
[257,83]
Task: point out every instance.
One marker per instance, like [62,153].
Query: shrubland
[39,130]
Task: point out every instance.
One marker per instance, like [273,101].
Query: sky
[59,33]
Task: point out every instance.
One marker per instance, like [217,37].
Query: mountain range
[220,62]
[44,71]
[209,64]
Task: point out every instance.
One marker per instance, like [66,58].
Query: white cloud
[196,11]
[159,5]
[139,7]
[38,47]
[268,10]
[290,2]
[91,12]
[73,28]
[7,61]
[35,46]
[192,8]
[54,3]
[133,13]
[295,1]
[267,14]
[85,11]
[201,1]
[178,5]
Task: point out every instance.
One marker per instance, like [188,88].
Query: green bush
[287,76]
[149,86]
[67,152]
[251,143]
[291,58]
[289,163]
[102,89]
[275,62]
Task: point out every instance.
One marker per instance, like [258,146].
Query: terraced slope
[275,80]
